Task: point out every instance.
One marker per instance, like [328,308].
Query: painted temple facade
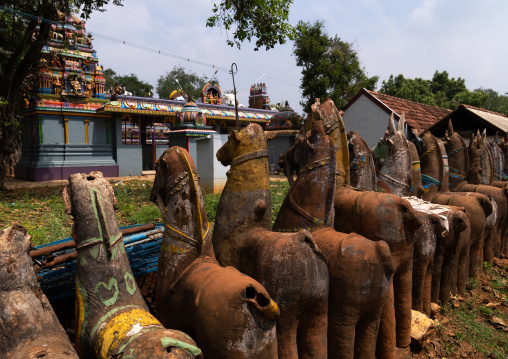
[70,124]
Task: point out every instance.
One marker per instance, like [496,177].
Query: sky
[466,38]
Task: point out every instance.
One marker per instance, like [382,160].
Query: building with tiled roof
[368,113]
[467,119]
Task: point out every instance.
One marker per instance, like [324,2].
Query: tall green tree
[190,82]
[330,67]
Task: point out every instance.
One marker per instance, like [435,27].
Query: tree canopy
[445,92]
[330,67]
[130,82]
[190,82]
[266,20]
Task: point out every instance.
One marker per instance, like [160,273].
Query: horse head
[361,163]
[249,140]
[177,193]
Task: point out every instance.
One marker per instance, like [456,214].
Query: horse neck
[319,180]
[499,162]
[486,164]
[458,161]
[431,162]
[251,175]
[338,136]
[396,170]
[361,166]
[416,177]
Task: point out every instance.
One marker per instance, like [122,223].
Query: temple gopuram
[70,124]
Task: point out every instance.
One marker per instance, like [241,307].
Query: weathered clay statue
[450,265]
[289,265]
[230,314]
[477,205]
[458,161]
[113,320]
[360,270]
[459,167]
[393,160]
[29,327]
[361,163]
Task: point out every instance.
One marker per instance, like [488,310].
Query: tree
[130,82]
[494,101]
[191,83]
[330,67]
[266,20]
[442,91]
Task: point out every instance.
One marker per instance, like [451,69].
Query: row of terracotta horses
[336,275]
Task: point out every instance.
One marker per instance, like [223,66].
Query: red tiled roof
[418,115]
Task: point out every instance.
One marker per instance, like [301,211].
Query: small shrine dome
[284,119]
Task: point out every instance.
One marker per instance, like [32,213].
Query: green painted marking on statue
[94,252]
[130,283]
[171,342]
[114,251]
[110,314]
[122,248]
[129,355]
[112,299]
[82,258]
[94,206]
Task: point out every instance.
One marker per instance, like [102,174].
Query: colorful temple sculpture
[70,124]
[258,97]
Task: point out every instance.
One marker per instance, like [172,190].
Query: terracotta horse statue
[29,328]
[444,265]
[459,167]
[478,206]
[362,172]
[393,160]
[228,313]
[360,270]
[112,317]
[289,265]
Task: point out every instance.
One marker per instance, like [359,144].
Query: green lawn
[41,210]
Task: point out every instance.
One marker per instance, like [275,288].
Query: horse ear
[270,135]
[496,139]
[450,127]
[484,135]
[472,141]
[235,135]
[391,125]
[402,121]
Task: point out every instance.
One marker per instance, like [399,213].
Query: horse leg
[402,301]
[385,348]
[463,268]
[366,333]
[312,332]
[437,268]
[418,282]
[427,287]
[287,327]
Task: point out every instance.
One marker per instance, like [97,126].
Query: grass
[471,319]
[41,210]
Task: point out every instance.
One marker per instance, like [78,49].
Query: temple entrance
[148,133]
